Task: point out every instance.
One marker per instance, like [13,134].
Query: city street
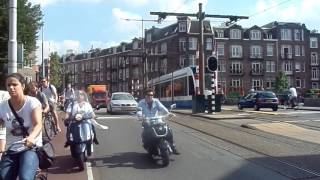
[209,150]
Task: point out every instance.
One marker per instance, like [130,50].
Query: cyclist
[23,164]
[51,93]
[68,95]
[33,91]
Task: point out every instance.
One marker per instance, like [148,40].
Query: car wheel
[240,107]
[275,108]
[256,107]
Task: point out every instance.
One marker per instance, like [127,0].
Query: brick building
[247,57]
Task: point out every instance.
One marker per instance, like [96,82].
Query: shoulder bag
[45,153]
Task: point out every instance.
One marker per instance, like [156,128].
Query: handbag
[45,152]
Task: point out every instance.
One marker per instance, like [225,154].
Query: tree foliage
[29,22]
[55,70]
[281,82]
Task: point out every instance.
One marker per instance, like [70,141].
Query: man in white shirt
[293,96]
[51,93]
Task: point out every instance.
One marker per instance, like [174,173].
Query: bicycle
[49,125]
[40,174]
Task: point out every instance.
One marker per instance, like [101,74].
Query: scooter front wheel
[165,157]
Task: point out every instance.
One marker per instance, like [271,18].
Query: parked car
[259,99]
[121,102]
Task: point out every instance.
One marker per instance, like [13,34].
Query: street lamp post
[12,44]
[143,53]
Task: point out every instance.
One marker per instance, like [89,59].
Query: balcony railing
[256,56]
[236,72]
[257,72]
[286,56]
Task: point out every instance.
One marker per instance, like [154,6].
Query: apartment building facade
[247,57]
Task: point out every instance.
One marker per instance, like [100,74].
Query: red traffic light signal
[212,63]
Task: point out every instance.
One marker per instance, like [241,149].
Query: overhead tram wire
[264,10]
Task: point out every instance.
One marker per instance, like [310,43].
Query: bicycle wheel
[49,127]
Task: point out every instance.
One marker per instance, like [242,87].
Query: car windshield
[267,95]
[122,97]
[99,95]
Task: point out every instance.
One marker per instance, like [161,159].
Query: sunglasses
[149,94]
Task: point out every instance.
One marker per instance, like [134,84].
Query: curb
[210,116]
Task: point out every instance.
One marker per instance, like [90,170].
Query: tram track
[220,130]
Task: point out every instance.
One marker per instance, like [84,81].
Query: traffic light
[212,63]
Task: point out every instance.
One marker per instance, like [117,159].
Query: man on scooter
[150,107]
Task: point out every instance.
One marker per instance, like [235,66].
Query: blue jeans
[23,165]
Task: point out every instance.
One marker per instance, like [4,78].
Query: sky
[84,24]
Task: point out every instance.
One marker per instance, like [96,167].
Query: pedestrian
[14,128]
[51,93]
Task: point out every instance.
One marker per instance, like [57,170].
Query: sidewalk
[280,128]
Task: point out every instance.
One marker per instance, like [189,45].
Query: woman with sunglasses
[22,164]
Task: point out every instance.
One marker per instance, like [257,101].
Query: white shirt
[293,92]
[76,108]
[50,93]
[10,121]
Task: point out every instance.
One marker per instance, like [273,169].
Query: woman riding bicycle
[22,164]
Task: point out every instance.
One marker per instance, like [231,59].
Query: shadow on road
[64,165]
[126,159]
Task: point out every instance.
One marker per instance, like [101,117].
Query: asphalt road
[120,156]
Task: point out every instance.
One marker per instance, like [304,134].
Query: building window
[236,83]
[193,41]
[298,83]
[182,44]
[220,33]
[314,73]
[314,58]
[256,68]
[236,68]
[182,60]
[208,43]
[315,85]
[135,45]
[313,42]
[235,34]
[297,35]
[303,53]
[192,60]
[297,51]
[256,83]
[270,66]
[183,26]
[287,66]
[149,37]
[164,66]
[255,35]
[286,51]
[222,66]
[286,34]
[270,50]
[220,49]
[236,51]
[163,49]
[256,52]
[297,67]
[270,83]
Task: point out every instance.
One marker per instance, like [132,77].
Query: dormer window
[220,33]
[183,26]
[135,45]
[255,35]
[235,34]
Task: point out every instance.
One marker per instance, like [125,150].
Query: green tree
[281,82]
[29,21]
[55,70]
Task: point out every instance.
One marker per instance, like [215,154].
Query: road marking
[108,117]
[89,171]
[263,112]
[294,121]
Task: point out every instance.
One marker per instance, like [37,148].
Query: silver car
[122,102]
